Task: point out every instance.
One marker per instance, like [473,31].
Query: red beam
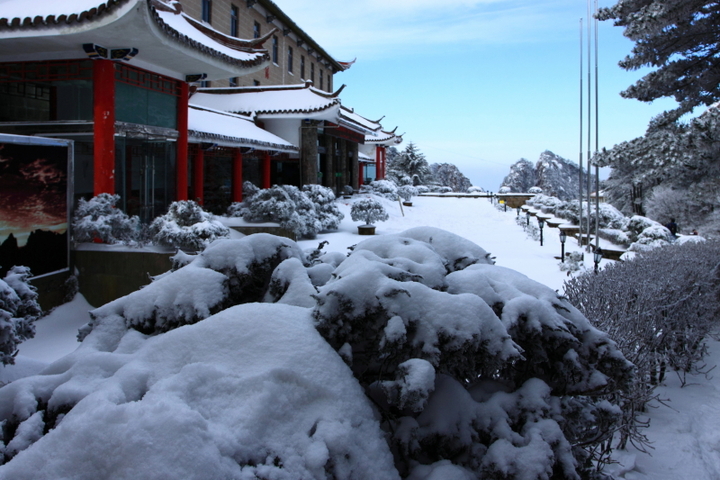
[103,126]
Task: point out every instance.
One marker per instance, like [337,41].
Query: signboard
[35,193]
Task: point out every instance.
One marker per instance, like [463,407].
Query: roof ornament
[173,6]
[346,65]
[196,77]
[94,52]
[342,87]
[378,121]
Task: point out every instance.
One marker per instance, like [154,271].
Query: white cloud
[381,28]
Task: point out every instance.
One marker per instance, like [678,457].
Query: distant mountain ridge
[555,175]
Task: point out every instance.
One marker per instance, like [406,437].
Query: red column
[237,174]
[378,162]
[182,143]
[103,126]
[199,174]
[361,179]
[266,171]
[384,162]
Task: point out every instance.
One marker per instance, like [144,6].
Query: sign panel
[35,182]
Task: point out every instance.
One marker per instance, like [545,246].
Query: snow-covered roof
[293,101]
[166,38]
[384,138]
[230,130]
[374,134]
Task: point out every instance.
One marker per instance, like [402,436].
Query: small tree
[368,210]
[99,218]
[186,225]
[18,311]
[406,192]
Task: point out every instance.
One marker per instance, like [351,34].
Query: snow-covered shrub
[423,189]
[660,307]
[535,190]
[327,211]
[443,189]
[226,273]
[505,189]
[18,311]
[474,370]
[531,228]
[287,205]
[650,238]
[481,367]
[618,237]
[637,224]
[475,189]
[574,262]
[382,188]
[369,211]
[186,225]
[99,218]
[406,192]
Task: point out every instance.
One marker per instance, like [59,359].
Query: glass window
[46,91]
[321,79]
[275,50]
[234,19]
[207,10]
[312,72]
[290,60]
[256,30]
[302,66]
[329,82]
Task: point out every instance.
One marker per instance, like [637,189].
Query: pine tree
[679,38]
[409,167]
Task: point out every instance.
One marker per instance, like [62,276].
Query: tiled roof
[269,100]
[206,125]
[42,18]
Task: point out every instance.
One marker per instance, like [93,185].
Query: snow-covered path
[685,435]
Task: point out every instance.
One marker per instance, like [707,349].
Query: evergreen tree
[679,38]
[409,167]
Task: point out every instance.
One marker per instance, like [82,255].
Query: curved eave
[122,24]
[228,141]
[329,112]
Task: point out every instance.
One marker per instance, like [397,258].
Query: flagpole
[580,189]
[597,135]
[589,113]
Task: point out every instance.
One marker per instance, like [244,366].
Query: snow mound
[225,398]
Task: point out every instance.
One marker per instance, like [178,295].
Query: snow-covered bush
[186,225]
[18,311]
[480,366]
[406,192]
[505,189]
[369,211]
[327,211]
[574,262]
[382,188]
[422,189]
[650,238]
[99,218]
[535,190]
[475,189]
[284,204]
[616,236]
[660,307]
[473,370]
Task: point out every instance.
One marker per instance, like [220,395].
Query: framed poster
[35,193]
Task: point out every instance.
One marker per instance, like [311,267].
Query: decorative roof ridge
[252,141]
[249,118]
[352,110]
[182,38]
[227,40]
[270,88]
[78,17]
[347,65]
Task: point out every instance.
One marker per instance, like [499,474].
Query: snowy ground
[685,435]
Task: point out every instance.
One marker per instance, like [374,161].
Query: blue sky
[477,83]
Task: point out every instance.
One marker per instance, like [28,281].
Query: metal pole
[597,136]
[589,113]
[580,189]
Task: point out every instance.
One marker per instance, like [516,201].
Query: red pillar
[103,127]
[182,143]
[378,162]
[361,179]
[199,174]
[266,170]
[237,174]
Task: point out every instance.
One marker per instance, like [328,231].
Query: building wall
[278,73]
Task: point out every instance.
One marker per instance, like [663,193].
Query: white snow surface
[685,434]
[224,398]
[272,100]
